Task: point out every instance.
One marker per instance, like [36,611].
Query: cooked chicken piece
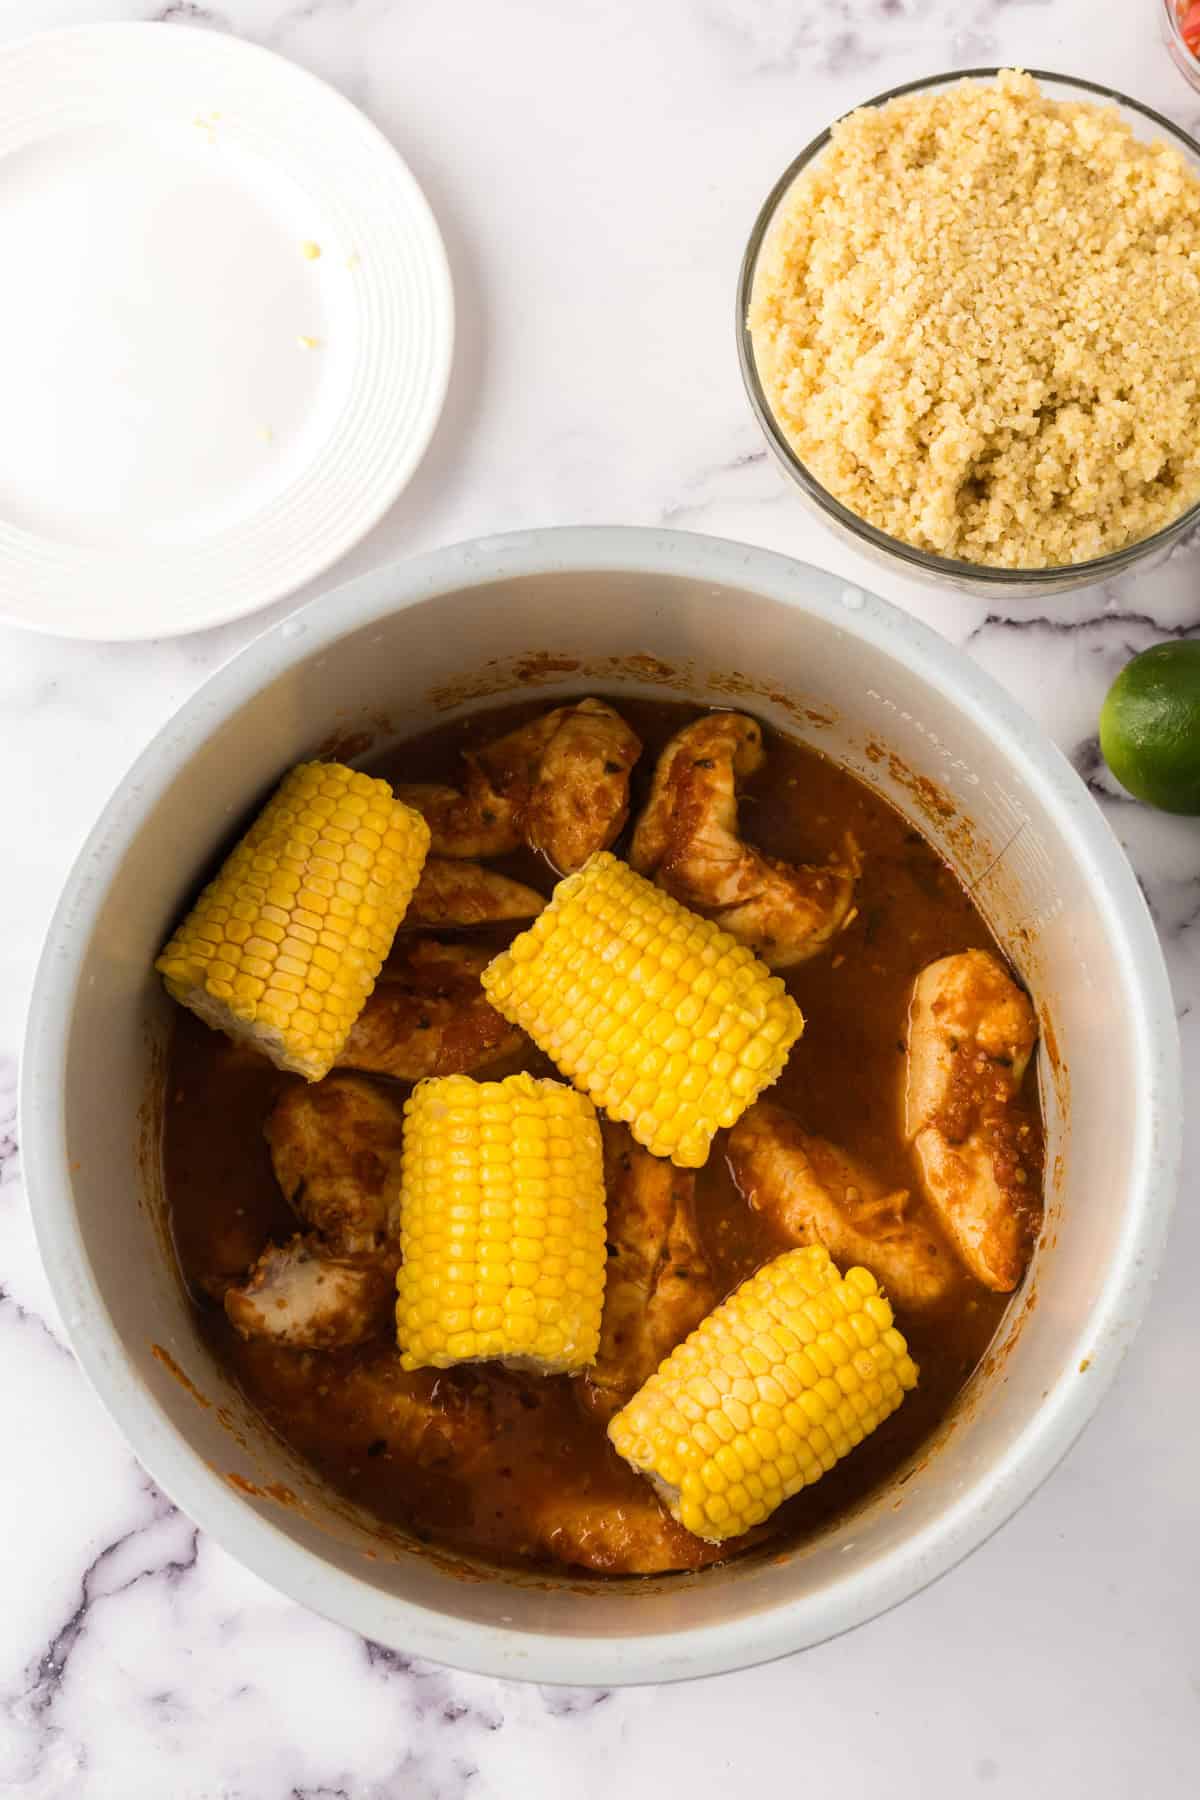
[659,1285]
[298,1295]
[706,759]
[466,822]
[429,1016]
[424,1417]
[580,794]
[971,1033]
[816,1194]
[560,783]
[616,1537]
[335,1146]
[687,839]
[453,893]
[485,816]
[459,1425]
[368,1406]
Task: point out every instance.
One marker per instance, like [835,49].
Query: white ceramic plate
[226,325]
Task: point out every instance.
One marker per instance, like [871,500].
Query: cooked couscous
[976,318]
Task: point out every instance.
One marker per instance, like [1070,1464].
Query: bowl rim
[1173,24]
[494,1650]
[916,560]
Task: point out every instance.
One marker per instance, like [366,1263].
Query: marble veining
[596,170]
[10,1167]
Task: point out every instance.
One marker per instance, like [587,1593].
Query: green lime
[1150,727]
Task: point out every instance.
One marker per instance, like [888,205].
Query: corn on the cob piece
[657,1014]
[501,1225]
[798,1366]
[283,947]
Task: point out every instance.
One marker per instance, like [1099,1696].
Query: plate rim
[440,363]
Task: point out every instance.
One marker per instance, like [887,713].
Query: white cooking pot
[612,611]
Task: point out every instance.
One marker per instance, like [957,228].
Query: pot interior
[873,706]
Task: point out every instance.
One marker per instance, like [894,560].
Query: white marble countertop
[596,168]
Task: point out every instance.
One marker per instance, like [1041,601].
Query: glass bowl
[1181,56]
[907,559]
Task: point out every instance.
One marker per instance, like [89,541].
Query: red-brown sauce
[843,1080]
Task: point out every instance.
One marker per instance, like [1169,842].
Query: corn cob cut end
[502,1226]
[660,1016]
[769,1392]
[283,947]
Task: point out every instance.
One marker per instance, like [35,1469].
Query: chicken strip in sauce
[579,795]
[452,893]
[335,1148]
[616,1536]
[815,1193]
[971,1033]
[687,839]
[559,784]
[429,1016]
[659,1284]
[301,1296]
[456,1430]
[439,1423]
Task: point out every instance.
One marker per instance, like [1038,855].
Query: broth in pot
[899,1135]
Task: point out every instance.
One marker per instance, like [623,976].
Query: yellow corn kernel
[502,1215]
[656,1014]
[255,956]
[743,1383]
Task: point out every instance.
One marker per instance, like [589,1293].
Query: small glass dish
[977,578]
[1181,56]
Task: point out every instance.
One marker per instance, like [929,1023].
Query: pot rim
[496,1650]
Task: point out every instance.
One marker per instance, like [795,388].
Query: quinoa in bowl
[975,319]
